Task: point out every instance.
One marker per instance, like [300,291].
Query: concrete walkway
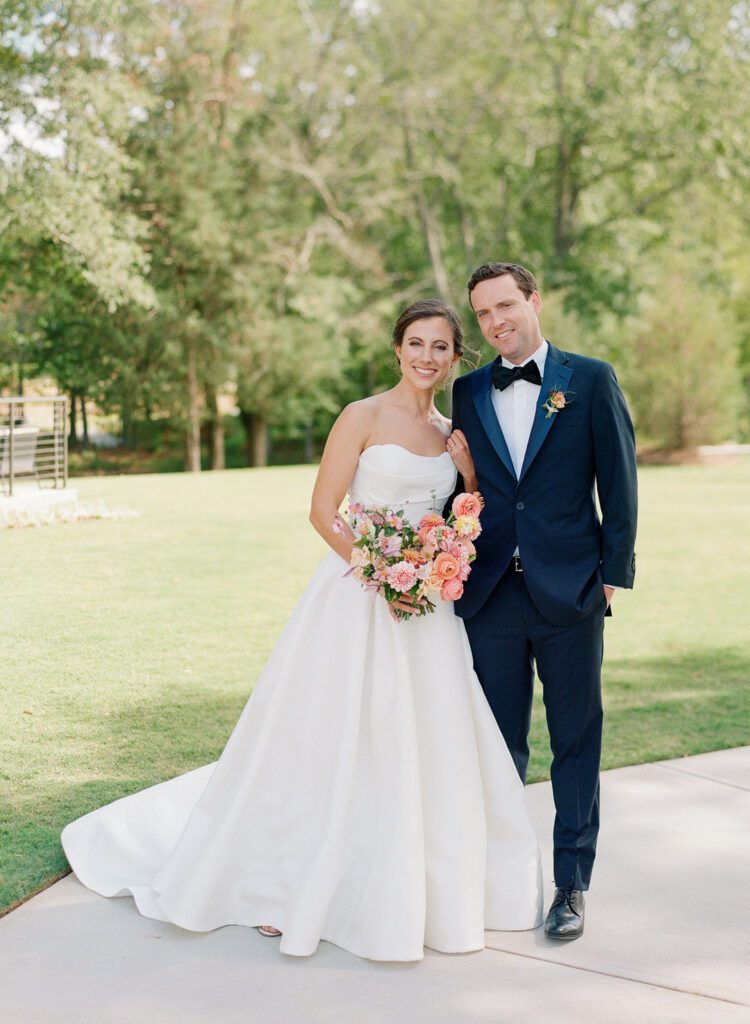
[667,938]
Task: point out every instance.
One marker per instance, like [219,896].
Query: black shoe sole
[564,938]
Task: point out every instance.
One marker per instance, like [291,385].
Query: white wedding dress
[366,796]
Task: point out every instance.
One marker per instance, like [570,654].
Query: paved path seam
[699,775]
[635,980]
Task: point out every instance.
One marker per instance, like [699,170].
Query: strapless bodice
[390,476]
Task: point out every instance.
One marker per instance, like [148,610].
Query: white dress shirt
[515,407]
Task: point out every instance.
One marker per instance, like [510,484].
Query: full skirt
[365,797]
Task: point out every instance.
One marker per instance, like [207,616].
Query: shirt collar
[539,357]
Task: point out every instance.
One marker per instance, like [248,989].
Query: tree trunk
[216,437]
[429,221]
[218,460]
[73,438]
[193,437]
[431,230]
[566,196]
[85,422]
[309,443]
[126,431]
[256,438]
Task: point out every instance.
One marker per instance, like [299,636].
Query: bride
[366,796]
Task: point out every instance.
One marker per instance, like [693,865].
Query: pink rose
[452,589]
[467,504]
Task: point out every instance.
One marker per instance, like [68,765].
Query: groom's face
[508,320]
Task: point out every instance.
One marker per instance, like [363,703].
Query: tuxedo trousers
[510,638]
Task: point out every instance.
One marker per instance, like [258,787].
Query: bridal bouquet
[422,564]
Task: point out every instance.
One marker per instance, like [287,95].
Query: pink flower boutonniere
[556,400]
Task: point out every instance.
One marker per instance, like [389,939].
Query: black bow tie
[503,376]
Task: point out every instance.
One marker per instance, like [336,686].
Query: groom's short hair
[523,277]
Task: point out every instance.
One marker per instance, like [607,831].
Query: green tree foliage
[684,385]
[240,194]
[65,113]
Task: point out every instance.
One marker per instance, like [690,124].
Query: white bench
[24,453]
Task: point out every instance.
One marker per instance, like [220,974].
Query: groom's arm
[616,479]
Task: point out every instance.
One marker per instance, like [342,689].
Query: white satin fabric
[365,797]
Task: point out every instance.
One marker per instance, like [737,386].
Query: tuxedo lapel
[481,383]
[557,374]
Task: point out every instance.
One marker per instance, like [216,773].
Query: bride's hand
[458,449]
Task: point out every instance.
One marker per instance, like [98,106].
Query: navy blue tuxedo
[551,615]
[550,512]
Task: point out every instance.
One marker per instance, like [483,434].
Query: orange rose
[446,566]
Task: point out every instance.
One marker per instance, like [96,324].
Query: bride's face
[426,352]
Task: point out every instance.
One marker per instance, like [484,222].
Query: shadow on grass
[660,708]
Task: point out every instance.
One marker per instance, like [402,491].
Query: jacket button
[520,506]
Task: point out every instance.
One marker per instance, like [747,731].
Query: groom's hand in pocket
[608,592]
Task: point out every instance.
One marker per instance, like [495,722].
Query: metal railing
[33,441]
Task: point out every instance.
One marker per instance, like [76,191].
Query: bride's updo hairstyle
[426,309]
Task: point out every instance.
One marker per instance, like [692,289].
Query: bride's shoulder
[361,412]
[356,419]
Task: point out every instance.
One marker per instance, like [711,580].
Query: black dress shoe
[565,918]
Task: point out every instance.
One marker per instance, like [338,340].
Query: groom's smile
[505,333]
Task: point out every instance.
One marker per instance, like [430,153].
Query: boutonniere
[556,400]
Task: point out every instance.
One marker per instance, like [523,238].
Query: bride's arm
[345,442]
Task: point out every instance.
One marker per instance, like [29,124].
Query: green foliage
[65,115]
[245,194]
[686,389]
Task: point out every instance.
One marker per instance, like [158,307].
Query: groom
[546,429]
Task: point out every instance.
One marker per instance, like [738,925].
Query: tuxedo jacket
[549,512]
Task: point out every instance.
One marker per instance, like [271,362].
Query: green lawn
[129,646]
